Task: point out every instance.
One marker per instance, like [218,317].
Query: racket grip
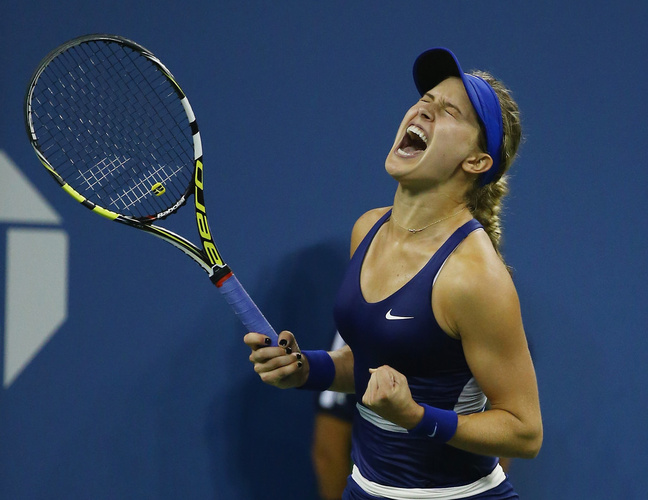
[245,308]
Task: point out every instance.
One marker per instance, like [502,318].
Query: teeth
[413,129]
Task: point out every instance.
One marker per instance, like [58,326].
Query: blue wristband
[321,371]
[436,423]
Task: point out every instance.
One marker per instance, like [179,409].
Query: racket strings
[111,123]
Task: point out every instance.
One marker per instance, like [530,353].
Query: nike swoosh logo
[436,426]
[390,316]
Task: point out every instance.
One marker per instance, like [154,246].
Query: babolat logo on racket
[158,189]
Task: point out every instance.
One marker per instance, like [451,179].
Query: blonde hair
[485,202]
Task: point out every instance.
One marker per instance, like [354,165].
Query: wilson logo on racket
[158,189]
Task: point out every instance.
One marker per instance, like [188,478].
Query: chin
[397,166]
[391,167]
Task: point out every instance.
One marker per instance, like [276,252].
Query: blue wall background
[145,391]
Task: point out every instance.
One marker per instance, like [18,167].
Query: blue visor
[435,65]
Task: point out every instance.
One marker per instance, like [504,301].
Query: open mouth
[413,142]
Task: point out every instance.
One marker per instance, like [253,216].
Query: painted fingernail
[298,355]
[288,350]
[299,364]
[267,341]
[283,342]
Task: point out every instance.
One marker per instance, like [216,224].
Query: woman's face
[436,135]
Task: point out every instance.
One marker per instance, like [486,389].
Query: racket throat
[221,275]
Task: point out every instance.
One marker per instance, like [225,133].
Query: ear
[477,163]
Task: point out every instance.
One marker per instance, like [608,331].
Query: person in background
[331,446]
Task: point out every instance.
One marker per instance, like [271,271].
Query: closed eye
[446,105]
[451,111]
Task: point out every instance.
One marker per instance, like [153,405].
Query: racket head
[109,122]
[111,125]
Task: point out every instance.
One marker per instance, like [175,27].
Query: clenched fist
[388,394]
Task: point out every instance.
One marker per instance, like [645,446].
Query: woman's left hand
[388,394]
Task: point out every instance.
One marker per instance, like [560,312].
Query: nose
[425,112]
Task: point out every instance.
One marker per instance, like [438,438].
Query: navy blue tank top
[402,332]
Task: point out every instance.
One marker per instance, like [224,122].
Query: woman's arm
[343,361]
[475,300]
[286,367]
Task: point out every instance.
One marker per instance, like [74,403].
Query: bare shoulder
[474,283]
[364,224]
[475,261]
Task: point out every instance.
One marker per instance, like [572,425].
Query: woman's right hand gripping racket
[111,125]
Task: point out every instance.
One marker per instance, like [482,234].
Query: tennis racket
[113,128]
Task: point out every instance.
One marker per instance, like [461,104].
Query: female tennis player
[428,308]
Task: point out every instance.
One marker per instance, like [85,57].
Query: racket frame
[208,257]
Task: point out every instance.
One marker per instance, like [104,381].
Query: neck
[422,210]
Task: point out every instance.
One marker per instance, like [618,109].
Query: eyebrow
[443,102]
